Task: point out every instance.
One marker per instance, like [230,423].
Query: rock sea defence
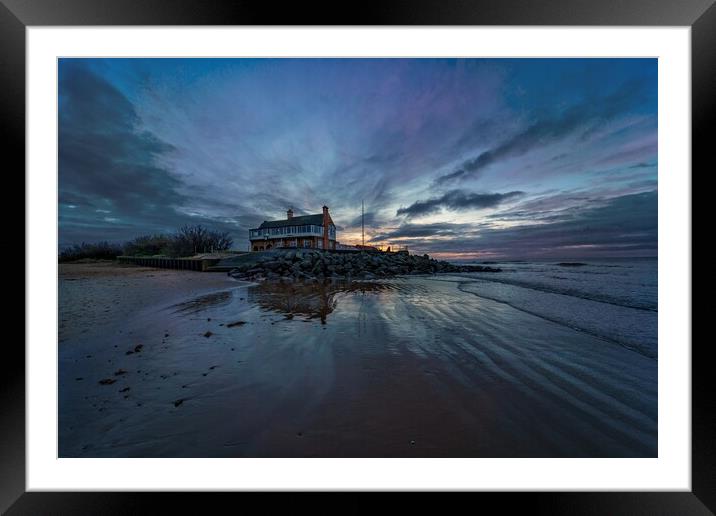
[310,265]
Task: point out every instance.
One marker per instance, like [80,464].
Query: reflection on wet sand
[408,367]
[311,300]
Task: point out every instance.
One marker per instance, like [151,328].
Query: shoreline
[398,367]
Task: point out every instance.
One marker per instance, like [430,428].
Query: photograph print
[374,257]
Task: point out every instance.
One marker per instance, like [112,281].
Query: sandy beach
[162,363]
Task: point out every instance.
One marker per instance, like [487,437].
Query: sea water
[615,299]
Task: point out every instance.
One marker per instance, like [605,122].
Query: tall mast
[362,222]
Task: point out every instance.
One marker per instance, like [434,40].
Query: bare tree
[149,245]
[190,240]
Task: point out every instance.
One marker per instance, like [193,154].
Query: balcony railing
[291,232]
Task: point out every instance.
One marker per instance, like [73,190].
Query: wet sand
[408,367]
[96,299]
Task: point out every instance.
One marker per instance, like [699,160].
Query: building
[314,231]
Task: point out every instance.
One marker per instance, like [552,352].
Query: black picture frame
[17,15]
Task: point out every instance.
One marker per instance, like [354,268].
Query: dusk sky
[459,158]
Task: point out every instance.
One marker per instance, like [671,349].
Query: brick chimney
[289,214]
[325,227]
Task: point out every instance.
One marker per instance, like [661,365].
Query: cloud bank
[458,200]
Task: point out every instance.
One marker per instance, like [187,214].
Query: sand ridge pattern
[402,367]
